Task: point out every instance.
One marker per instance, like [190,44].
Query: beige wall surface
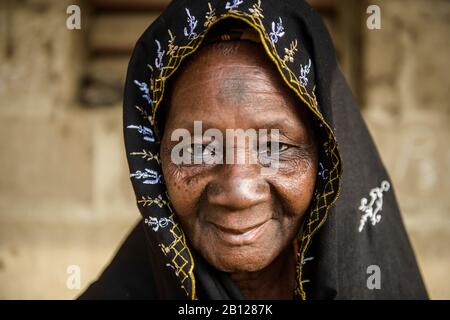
[65,196]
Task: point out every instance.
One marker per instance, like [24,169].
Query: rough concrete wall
[406,83]
[65,198]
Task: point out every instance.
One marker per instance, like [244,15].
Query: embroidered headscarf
[353,224]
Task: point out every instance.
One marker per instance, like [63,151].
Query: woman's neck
[276,281]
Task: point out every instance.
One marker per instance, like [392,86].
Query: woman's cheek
[294,188]
[184,185]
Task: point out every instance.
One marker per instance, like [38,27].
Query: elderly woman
[313,217]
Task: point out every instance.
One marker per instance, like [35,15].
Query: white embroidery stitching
[277,31]
[160,56]
[234,5]
[376,195]
[144,89]
[323,172]
[304,72]
[148,176]
[307,259]
[192,21]
[147,133]
[177,273]
[156,223]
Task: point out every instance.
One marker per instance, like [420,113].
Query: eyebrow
[276,124]
[258,121]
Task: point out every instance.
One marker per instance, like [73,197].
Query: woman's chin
[239,259]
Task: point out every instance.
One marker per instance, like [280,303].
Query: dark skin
[242,221]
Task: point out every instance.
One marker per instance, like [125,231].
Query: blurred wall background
[65,197]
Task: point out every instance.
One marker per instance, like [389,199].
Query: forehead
[227,66]
[232,83]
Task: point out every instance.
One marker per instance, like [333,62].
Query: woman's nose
[238,187]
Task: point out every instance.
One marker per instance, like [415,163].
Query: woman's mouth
[241,236]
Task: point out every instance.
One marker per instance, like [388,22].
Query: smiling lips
[239,237]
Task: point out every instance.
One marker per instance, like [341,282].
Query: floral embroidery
[304,72]
[289,53]
[306,281]
[307,260]
[156,223]
[233,4]
[147,155]
[159,201]
[326,146]
[210,16]
[144,88]
[172,48]
[164,248]
[177,273]
[147,133]
[376,199]
[142,111]
[160,56]
[277,31]
[152,82]
[192,21]
[256,10]
[145,115]
[323,172]
[148,176]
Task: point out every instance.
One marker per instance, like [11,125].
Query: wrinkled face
[238,217]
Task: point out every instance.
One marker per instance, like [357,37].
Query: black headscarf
[353,227]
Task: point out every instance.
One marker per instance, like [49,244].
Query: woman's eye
[202,148]
[208,151]
[195,149]
[190,149]
[281,148]
[200,151]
